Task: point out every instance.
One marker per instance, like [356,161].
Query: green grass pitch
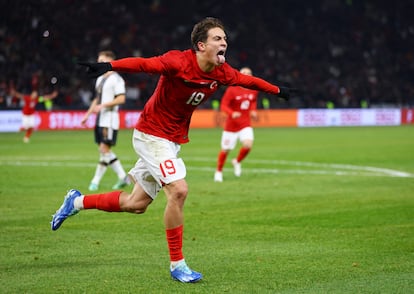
[316,210]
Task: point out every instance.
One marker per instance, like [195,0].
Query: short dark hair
[200,30]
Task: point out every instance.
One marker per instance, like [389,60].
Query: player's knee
[178,190]
[247,144]
[104,148]
[181,193]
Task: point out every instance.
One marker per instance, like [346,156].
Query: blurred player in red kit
[29,108]
[187,79]
[239,104]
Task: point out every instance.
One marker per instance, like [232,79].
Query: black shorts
[105,135]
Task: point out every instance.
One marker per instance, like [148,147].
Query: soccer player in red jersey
[187,79]
[29,108]
[239,104]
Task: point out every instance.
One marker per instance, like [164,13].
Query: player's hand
[97,108]
[254,116]
[94,70]
[235,114]
[84,119]
[286,92]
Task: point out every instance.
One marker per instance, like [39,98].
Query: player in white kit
[110,90]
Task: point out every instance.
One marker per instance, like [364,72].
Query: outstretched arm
[16,94]
[129,65]
[50,96]
[259,84]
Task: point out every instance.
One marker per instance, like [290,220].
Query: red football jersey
[29,104]
[181,88]
[239,99]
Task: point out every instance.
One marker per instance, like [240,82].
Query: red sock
[106,201]
[29,132]
[242,153]
[221,160]
[175,243]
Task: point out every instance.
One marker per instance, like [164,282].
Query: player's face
[246,71]
[215,46]
[103,58]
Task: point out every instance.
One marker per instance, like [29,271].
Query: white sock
[99,172]
[174,264]
[78,202]
[117,167]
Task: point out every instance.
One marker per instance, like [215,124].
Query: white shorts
[229,139]
[158,162]
[28,121]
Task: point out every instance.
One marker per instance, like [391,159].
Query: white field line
[340,168]
[308,167]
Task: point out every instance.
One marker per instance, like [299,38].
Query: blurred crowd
[341,53]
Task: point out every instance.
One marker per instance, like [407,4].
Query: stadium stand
[341,53]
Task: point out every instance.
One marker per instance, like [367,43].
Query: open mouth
[220,56]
